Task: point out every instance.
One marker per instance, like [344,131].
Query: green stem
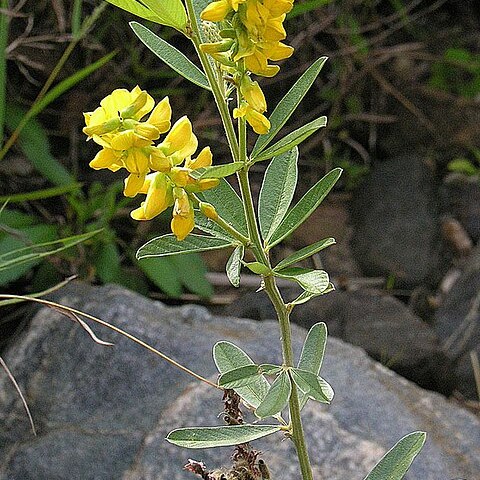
[222,106]
[239,153]
[277,301]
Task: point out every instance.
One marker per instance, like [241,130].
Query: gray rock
[457,322]
[395,221]
[102,412]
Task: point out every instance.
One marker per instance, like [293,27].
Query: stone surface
[395,221]
[457,322]
[103,412]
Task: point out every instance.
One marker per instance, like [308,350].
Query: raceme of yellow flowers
[251,32]
[155,170]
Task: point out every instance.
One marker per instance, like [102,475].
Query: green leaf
[170,55]
[216,171]
[288,104]
[305,253]
[225,436]
[169,245]
[107,262]
[397,461]
[162,272]
[304,297]
[277,191]
[167,12]
[277,397]
[41,194]
[192,273]
[234,265]
[258,268]
[228,356]
[34,142]
[228,205]
[239,377]
[312,385]
[291,140]
[313,281]
[305,207]
[313,349]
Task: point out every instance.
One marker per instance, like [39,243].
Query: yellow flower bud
[207,183]
[179,138]
[146,108]
[216,11]
[208,210]
[157,196]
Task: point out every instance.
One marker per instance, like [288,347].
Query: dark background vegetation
[403,76]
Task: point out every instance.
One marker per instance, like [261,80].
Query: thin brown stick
[17,388]
[64,309]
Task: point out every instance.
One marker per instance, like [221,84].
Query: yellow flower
[128,142]
[159,196]
[183,216]
[256,120]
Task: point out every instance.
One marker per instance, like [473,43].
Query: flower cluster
[154,170]
[252,36]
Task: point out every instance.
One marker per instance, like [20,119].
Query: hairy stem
[220,100]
